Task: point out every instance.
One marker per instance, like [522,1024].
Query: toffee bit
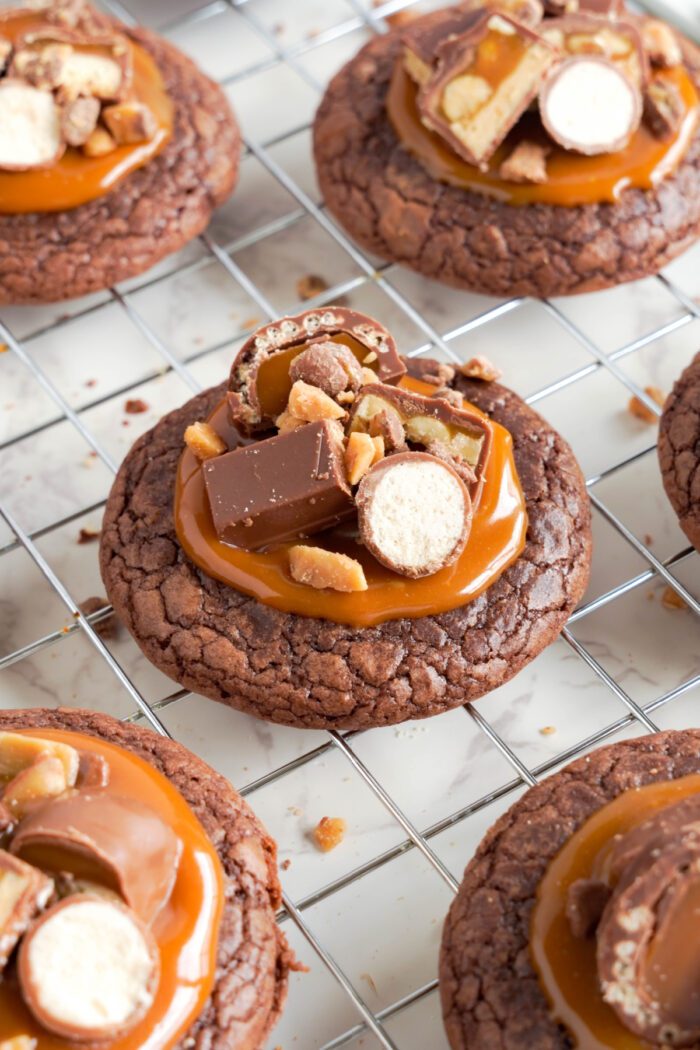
[640,411]
[329,833]
[670,599]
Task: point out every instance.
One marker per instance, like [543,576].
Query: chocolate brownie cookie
[155,210]
[491,995]
[392,205]
[253,958]
[679,450]
[307,672]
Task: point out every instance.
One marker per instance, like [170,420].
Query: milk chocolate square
[280,489]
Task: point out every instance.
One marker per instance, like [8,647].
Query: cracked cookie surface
[314,673]
[253,958]
[388,202]
[679,450]
[491,997]
[154,211]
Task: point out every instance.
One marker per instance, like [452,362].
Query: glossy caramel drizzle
[497,538]
[566,965]
[75,179]
[186,930]
[572,178]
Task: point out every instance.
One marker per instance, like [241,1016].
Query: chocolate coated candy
[89,969]
[485,80]
[280,489]
[108,839]
[588,105]
[648,938]
[255,405]
[463,437]
[414,513]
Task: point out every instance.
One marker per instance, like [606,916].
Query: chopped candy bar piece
[280,489]
[485,80]
[414,513]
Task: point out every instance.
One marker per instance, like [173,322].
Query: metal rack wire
[372,19]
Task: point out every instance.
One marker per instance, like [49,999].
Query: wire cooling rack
[417,798]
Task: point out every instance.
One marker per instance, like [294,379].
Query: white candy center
[30,132]
[591,104]
[418,512]
[91,966]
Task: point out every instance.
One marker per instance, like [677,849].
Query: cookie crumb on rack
[670,599]
[88,535]
[107,628]
[641,411]
[329,833]
[135,405]
[311,285]
[548,730]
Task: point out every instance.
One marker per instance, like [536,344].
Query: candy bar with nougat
[422,42]
[457,435]
[618,41]
[485,80]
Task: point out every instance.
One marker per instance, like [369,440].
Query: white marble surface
[445,774]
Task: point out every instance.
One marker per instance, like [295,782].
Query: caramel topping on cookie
[81,105]
[292,517]
[110,897]
[615,930]
[546,110]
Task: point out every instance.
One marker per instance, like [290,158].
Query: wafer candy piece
[463,436]
[590,106]
[414,513]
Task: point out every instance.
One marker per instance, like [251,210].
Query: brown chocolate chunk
[386,424]
[110,977]
[451,395]
[246,401]
[472,110]
[125,845]
[588,105]
[585,904]
[441,451]
[429,421]
[79,120]
[414,513]
[663,108]
[330,366]
[24,892]
[286,487]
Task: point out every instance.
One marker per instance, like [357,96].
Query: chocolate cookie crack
[252,953]
[151,213]
[315,673]
[394,208]
[679,450]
